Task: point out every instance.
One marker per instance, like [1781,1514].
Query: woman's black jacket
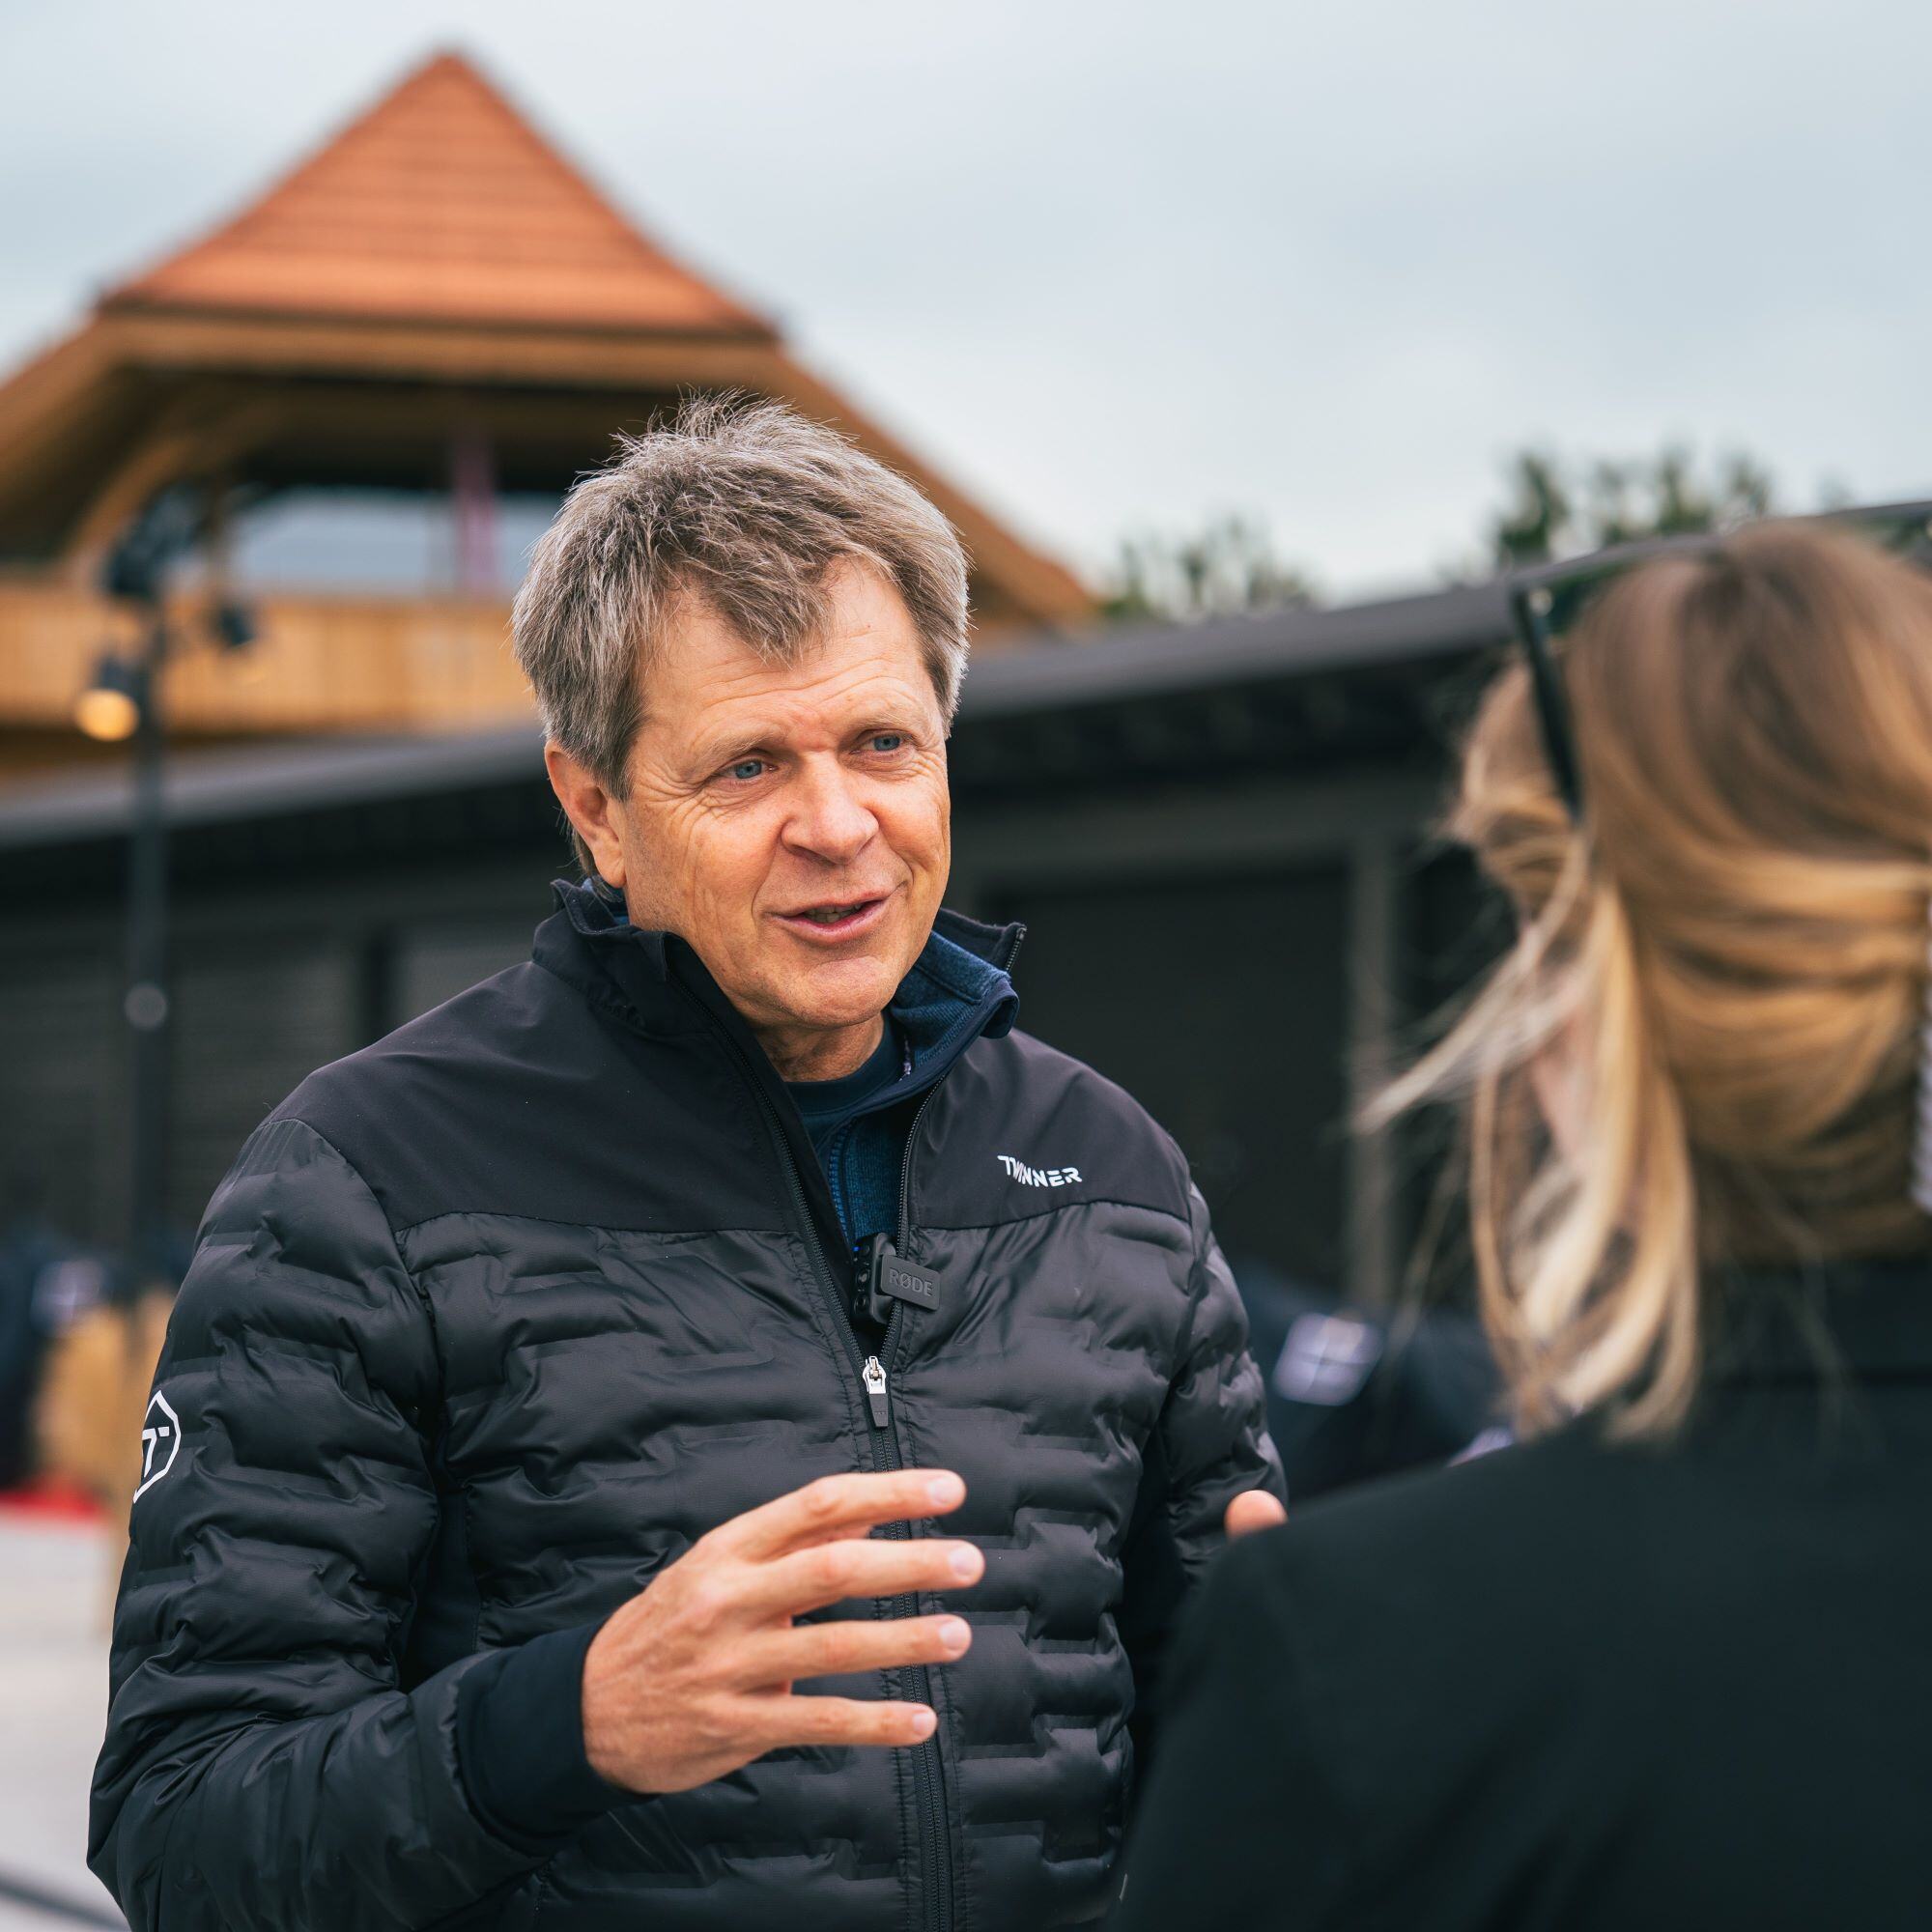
[1576,1686]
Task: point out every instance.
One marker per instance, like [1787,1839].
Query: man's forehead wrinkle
[715,694]
[745,710]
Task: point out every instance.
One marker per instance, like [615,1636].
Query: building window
[404,541]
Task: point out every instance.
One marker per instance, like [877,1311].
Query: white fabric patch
[160,1442]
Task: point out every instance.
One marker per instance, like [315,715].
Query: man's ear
[594,814]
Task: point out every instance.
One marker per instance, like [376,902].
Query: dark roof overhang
[1293,690]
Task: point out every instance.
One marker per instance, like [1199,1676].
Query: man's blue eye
[748,769]
[888,740]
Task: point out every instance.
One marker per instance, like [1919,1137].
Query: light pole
[146,1004]
[125,701]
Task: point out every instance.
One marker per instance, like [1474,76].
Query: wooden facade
[328,662]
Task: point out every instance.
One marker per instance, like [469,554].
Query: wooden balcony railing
[320,664]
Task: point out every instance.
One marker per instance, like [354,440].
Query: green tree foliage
[1556,508]
[1228,566]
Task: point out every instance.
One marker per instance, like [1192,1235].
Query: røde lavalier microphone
[884,1277]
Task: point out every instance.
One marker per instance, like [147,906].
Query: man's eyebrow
[897,711]
[713,755]
[894,714]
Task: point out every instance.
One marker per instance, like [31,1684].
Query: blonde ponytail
[1729,970]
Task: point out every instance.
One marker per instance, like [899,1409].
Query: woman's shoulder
[1343,1673]
[1534,1532]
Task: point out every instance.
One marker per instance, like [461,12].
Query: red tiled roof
[441,204]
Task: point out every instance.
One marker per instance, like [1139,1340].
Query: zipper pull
[873,1375]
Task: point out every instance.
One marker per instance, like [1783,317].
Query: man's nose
[830,819]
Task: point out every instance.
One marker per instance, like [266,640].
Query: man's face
[793,824]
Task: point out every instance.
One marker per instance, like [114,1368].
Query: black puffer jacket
[492,1321]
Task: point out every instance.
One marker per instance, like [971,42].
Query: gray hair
[744,505]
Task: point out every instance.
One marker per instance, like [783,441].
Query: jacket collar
[995,945]
[1866,1320]
[621,969]
[956,992]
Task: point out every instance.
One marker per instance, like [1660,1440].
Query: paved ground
[54,1587]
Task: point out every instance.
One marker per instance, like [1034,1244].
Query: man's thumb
[1252,1510]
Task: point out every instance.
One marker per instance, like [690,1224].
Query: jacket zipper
[929,1761]
[870,1372]
[874,1380]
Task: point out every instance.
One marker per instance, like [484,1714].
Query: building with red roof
[383,373]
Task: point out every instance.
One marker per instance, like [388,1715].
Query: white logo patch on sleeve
[160,1442]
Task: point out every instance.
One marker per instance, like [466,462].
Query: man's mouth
[834,918]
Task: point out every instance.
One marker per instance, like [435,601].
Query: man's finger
[858,1566]
[851,1645]
[836,1506]
[1253,1510]
[784,1721]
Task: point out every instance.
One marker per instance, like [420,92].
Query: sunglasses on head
[1546,599]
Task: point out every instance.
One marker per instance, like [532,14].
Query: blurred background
[1245,342]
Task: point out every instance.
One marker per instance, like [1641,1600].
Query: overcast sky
[1121,266]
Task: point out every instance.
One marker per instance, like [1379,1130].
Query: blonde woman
[1668,1661]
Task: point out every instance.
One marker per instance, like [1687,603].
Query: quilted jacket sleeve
[1211,1443]
[1215,1426]
[262,1766]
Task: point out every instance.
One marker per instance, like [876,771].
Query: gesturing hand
[693,1677]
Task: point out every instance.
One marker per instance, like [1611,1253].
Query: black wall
[1223,1005]
[1225,950]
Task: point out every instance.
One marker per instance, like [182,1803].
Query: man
[567,1388]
